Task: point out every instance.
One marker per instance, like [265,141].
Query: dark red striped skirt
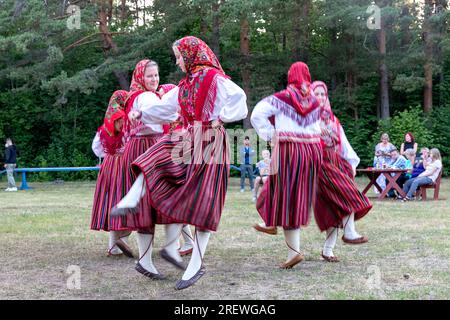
[147,217]
[191,189]
[108,192]
[338,194]
[287,196]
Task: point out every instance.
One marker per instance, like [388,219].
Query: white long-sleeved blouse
[97,147]
[287,119]
[230,105]
[142,101]
[347,152]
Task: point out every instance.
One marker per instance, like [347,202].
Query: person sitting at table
[410,160]
[429,176]
[383,156]
[409,143]
[399,162]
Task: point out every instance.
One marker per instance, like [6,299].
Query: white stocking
[187,236]
[172,236]
[330,242]
[135,194]
[200,244]
[293,241]
[113,237]
[145,244]
[349,227]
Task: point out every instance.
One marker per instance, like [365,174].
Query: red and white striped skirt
[338,194]
[147,217]
[191,189]
[287,196]
[108,192]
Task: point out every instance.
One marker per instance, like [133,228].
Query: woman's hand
[134,115]
[216,123]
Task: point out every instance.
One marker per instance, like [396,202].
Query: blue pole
[24,185]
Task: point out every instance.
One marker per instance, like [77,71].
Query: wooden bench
[423,189]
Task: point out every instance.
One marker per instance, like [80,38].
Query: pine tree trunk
[245,53]
[428,67]
[333,57]
[306,30]
[109,46]
[215,39]
[123,11]
[298,8]
[383,71]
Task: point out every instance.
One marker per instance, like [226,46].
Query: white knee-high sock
[330,242]
[200,243]
[145,245]
[135,194]
[293,241]
[187,236]
[113,237]
[172,236]
[349,227]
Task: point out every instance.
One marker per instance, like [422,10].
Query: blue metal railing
[24,171]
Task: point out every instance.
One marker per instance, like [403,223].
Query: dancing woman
[108,144]
[339,202]
[287,197]
[191,189]
[144,91]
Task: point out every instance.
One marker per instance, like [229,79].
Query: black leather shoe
[155,276]
[183,284]
[165,255]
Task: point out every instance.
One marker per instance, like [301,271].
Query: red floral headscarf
[297,93]
[115,110]
[197,55]
[322,84]
[137,82]
[198,90]
[109,138]
[331,127]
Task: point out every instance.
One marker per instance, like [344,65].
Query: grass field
[45,230]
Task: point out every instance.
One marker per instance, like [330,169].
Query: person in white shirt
[429,176]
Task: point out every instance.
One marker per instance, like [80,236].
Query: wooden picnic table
[391,180]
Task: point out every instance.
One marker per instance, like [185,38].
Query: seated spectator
[399,162]
[383,150]
[410,158]
[383,158]
[420,164]
[429,176]
[264,171]
[409,143]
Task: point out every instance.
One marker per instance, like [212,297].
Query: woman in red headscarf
[108,144]
[144,90]
[187,172]
[338,202]
[287,197]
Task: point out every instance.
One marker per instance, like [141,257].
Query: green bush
[410,120]
[439,122]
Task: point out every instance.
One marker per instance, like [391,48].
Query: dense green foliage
[55,81]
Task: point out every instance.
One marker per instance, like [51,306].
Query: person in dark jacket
[10,164]
[246,158]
